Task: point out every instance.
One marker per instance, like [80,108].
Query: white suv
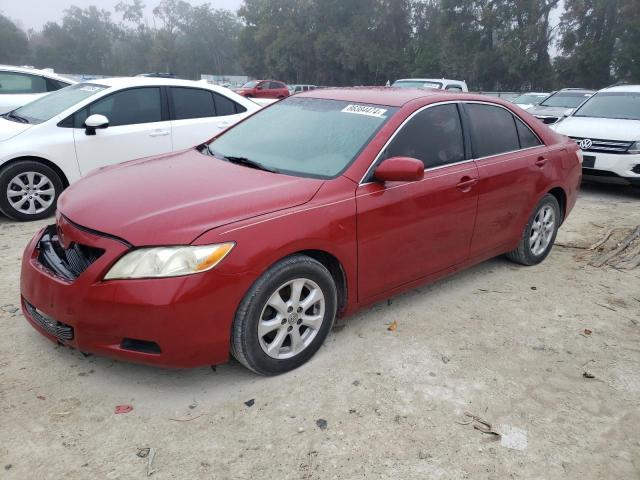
[607,128]
[21,85]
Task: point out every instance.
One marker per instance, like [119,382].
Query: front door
[136,129]
[408,230]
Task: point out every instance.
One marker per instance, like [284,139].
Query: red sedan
[310,209]
[264,89]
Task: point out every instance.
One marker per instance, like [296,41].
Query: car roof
[390,96]
[120,82]
[576,90]
[429,80]
[622,88]
[36,71]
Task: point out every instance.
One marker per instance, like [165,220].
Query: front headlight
[159,262]
[634,148]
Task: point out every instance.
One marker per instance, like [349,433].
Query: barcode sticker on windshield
[365,110]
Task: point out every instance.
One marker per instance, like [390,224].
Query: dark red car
[313,207]
[264,89]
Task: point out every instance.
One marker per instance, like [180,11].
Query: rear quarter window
[528,139]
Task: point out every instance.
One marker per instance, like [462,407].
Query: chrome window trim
[455,102]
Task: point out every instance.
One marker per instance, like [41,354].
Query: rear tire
[539,234]
[29,190]
[285,316]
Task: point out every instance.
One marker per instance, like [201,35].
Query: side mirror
[94,122]
[260,87]
[399,169]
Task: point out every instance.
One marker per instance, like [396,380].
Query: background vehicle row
[52,142]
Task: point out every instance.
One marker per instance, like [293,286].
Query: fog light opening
[142,346]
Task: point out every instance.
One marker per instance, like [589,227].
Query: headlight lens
[634,148]
[160,262]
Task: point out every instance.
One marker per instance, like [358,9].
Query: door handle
[159,133]
[466,183]
[541,161]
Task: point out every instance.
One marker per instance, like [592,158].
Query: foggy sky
[35,13]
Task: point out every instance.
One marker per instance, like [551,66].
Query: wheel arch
[561,196]
[44,161]
[336,270]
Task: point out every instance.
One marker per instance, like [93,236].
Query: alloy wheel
[542,230]
[30,192]
[291,318]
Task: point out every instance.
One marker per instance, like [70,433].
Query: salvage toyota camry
[254,242]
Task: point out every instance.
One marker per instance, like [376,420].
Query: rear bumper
[188,318]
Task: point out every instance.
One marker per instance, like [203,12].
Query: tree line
[492,44]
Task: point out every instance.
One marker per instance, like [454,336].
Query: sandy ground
[503,342]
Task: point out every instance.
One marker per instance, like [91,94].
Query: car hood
[173,199]
[600,128]
[550,111]
[9,129]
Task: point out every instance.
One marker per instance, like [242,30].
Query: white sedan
[21,85]
[52,142]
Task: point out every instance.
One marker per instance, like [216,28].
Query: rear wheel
[29,190]
[285,316]
[539,234]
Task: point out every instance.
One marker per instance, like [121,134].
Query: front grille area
[66,263]
[57,329]
[604,146]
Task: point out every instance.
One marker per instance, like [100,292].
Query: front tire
[29,190]
[285,317]
[539,234]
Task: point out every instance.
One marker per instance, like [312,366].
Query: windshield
[529,98]
[566,99]
[304,136]
[50,105]
[251,84]
[416,84]
[621,105]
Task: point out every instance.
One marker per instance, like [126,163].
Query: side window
[528,139]
[493,130]
[53,85]
[192,103]
[225,106]
[277,85]
[14,83]
[264,85]
[434,136]
[454,88]
[128,107]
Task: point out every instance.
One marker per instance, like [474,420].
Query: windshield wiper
[15,117]
[249,163]
[238,160]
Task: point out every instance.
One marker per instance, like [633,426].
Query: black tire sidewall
[9,172]
[546,200]
[250,310]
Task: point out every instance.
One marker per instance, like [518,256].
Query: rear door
[511,162]
[408,230]
[198,114]
[138,127]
